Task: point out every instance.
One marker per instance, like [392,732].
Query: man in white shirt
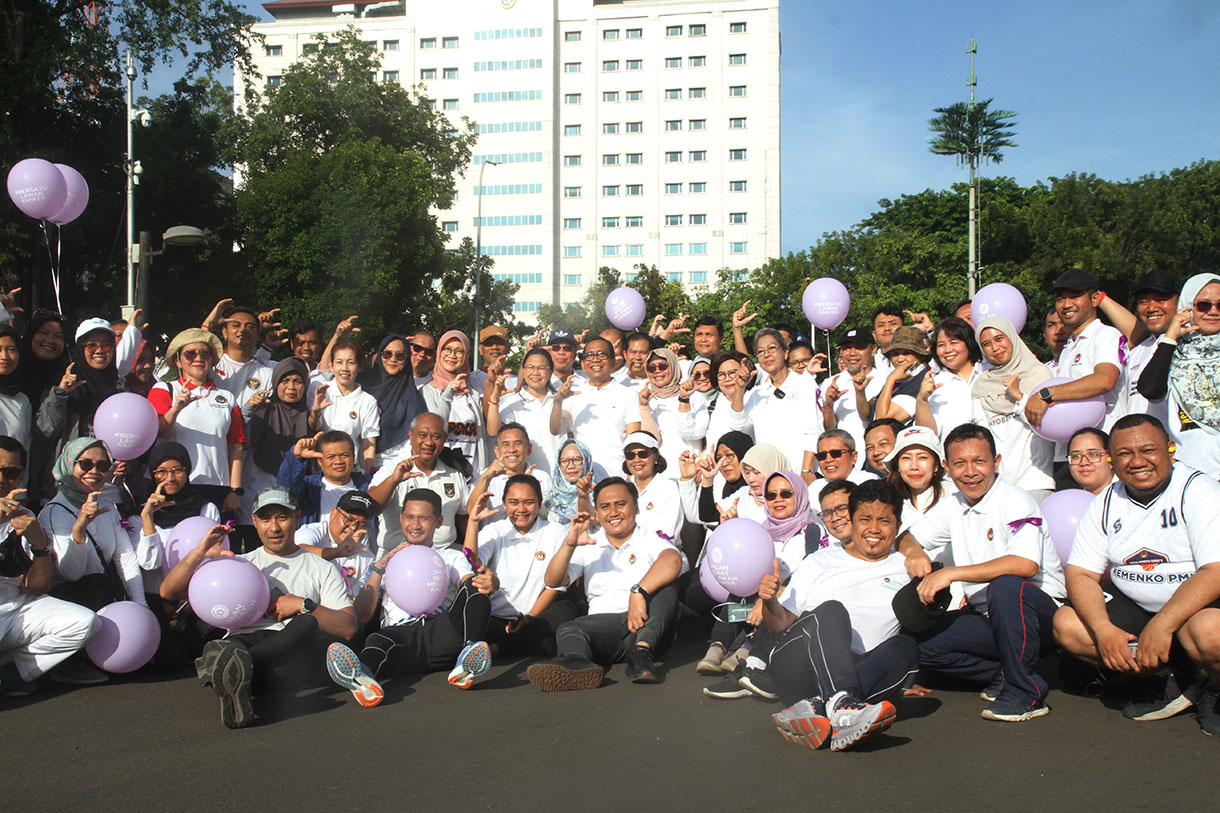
[1154,532]
[847,401]
[1004,556]
[423,356]
[309,606]
[629,581]
[1156,303]
[836,456]
[886,321]
[341,539]
[839,659]
[633,374]
[597,410]
[238,371]
[512,453]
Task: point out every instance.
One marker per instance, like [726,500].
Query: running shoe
[473,663]
[804,723]
[346,670]
[852,719]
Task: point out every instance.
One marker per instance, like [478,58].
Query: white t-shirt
[708,420]
[1005,522]
[599,419]
[354,569]
[535,416]
[330,495]
[747,506]
[790,423]
[456,568]
[1097,344]
[866,589]
[1130,401]
[16,417]
[466,427]
[845,406]
[661,508]
[519,561]
[449,483]
[610,572]
[242,379]
[356,413]
[498,483]
[950,403]
[673,444]
[299,574]
[1151,549]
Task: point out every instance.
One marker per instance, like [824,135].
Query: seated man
[837,456]
[840,655]
[879,439]
[1155,532]
[629,580]
[342,539]
[834,501]
[525,613]
[317,494]
[37,631]
[1006,560]
[512,452]
[411,644]
[308,607]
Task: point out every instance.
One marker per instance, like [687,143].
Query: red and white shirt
[205,427]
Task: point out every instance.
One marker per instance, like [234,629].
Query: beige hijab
[989,386]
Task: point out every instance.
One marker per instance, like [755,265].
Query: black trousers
[699,602]
[813,657]
[92,591]
[604,637]
[432,643]
[287,659]
[538,636]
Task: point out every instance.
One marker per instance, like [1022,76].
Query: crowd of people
[571,495]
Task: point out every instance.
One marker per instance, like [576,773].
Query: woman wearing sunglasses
[660,504]
[452,390]
[1184,368]
[1089,460]
[661,399]
[719,409]
[391,382]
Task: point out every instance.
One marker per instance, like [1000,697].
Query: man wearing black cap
[1093,355]
[562,347]
[847,401]
[1156,302]
[342,539]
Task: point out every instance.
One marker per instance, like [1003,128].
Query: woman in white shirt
[916,471]
[662,399]
[943,402]
[529,406]
[660,504]
[706,418]
[16,414]
[343,405]
[1089,460]
[174,499]
[747,501]
[451,383]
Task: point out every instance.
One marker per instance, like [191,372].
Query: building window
[697,62]
[698,30]
[635,95]
[274,81]
[571,67]
[635,251]
[571,251]
[635,33]
[673,276]
[673,93]
[610,34]
[449,226]
[571,129]
[571,160]
[431,103]
[571,279]
[673,189]
[635,126]
[737,155]
[738,247]
[610,159]
[449,104]
[698,187]
[737,217]
[571,98]
[610,191]
[635,221]
[609,65]
[673,30]
[427,73]
[610,128]
[526,307]
[673,220]
[697,93]
[635,158]
[389,45]
[449,73]
[737,90]
[390,76]
[698,124]
[571,222]
[610,251]
[698,249]
[673,249]
[672,125]
[698,156]
[571,191]
[737,123]
[609,222]
[737,28]
[635,189]
[737,59]
[737,186]
[672,62]
[635,64]
[427,43]
[571,36]
[698,276]
[449,42]
[275,50]
[698,220]
[309,48]
[673,157]
[610,96]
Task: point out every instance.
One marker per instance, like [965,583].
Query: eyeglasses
[1094,456]
[632,454]
[201,355]
[768,350]
[454,352]
[703,375]
[726,375]
[347,520]
[176,470]
[799,364]
[597,354]
[570,463]
[93,347]
[12,472]
[783,493]
[657,367]
[419,348]
[835,453]
[536,368]
[1203,306]
[86,465]
[393,355]
[837,511]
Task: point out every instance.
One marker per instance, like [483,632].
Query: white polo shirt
[660,506]
[242,379]
[449,483]
[1131,402]
[498,483]
[1151,549]
[950,404]
[599,419]
[298,574]
[1097,344]
[456,569]
[673,444]
[356,413]
[519,561]
[787,416]
[354,569]
[610,572]
[535,415]
[866,589]
[845,406]
[205,427]
[1005,522]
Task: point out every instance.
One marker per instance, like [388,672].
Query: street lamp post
[134,170]
[184,236]
[478,264]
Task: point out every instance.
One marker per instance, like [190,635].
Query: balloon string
[46,239]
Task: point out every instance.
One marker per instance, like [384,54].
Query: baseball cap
[493,332]
[273,496]
[358,503]
[856,337]
[89,325]
[1159,281]
[913,614]
[1075,279]
[561,337]
[915,436]
[641,439]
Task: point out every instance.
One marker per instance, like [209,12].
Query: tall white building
[636,131]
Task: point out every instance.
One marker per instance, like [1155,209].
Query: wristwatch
[239,491]
[640,591]
[308,605]
[1045,395]
[40,552]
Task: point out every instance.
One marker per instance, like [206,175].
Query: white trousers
[41,631]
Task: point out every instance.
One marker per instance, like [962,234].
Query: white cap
[89,325]
[915,436]
[641,439]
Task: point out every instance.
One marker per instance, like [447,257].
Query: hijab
[1190,291]
[763,457]
[99,384]
[441,377]
[989,387]
[562,496]
[1193,366]
[396,395]
[191,500]
[133,384]
[781,530]
[670,389]
[62,472]
[12,383]
[274,426]
[39,376]
[740,443]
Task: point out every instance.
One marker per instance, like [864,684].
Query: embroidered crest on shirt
[631,559]
[220,399]
[450,490]
[1147,559]
[540,555]
[990,534]
[352,415]
[253,384]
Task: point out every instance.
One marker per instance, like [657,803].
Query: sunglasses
[1203,306]
[86,465]
[657,367]
[703,374]
[12,472]
[632,454]
[419,348]
[835,453]
[192,355]
[783,493]
[91,347]
[393,355]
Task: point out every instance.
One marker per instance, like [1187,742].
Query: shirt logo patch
[1118,525]
[352,415]
[220,399]
[631,559]
[1077,359]
[1147,559]
[648,507]
[990,534]
[540,555]
[253,384]
[450,491]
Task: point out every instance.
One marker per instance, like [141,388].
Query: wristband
[380,571]
[1102,294]
[682,400]
[809,471]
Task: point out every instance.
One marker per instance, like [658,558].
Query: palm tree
[972,132]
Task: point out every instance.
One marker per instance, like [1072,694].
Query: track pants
[432,643]
[604,637]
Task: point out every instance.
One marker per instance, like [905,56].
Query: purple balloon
[999,299]
[128,424]
[229,593]
[185,536]
[1063,418]
[1063,511]
[37,187]
[78,196]
[625,308]
[128,638]
[740,552]
[417,579]
[826,303]
[714,589]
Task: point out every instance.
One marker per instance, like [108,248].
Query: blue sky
[1119,89]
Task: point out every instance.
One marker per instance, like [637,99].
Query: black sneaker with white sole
[231,676]
[1164,700]
[729,687]
[992,692]
[1208,711]
[758,682]
[640,665]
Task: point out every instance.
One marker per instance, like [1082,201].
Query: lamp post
[134,171]
[184,236]
[478,264]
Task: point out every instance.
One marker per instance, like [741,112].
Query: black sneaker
[992,692]
[1163,701]
[729,687]
[640,666]
[230,679]
[566,673]
[758,682]
[1208,713]
[205,664]
[1011,710]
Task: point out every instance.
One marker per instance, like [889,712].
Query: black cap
[1160,281]
[1075,279]
[358,503]
[912,613]
[561,337]
[856,337]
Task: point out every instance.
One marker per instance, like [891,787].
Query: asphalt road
[157,743]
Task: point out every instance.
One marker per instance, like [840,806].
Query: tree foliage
[972,132]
